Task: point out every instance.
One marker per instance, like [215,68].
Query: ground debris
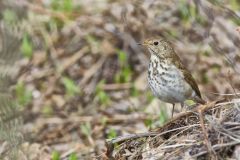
[183,138]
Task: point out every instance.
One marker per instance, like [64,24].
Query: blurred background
[78,75]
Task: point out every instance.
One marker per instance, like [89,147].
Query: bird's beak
[145,43]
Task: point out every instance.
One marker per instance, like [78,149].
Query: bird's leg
[182,105]
[173,108]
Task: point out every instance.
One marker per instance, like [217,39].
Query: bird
[168,78]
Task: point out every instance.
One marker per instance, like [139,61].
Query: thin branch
[225,94]
[216,147]
[131,136]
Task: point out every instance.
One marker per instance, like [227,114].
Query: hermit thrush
[168,79]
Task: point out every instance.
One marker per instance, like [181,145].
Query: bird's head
[159,47]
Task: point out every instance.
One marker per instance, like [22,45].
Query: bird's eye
[155,43]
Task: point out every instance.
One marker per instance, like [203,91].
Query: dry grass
[183,137]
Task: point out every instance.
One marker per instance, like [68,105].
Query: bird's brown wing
[187,75]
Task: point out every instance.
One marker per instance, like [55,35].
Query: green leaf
[117,78]
[86,129]
[192,11]
[55,4]
[70,86]
[63,5]
[150,96]
[173,32]
[235,5]
[68,5]
[122,57]
[9,16]
[112,134]
[184,10]
[73,156]
[24,96]
[134,92]
[99,85]
[148,122]
[101,95]
[163,116]
[201,20]
[55,155]
[126,74]
[189,102]
[103,120]
[26,47]
[94,43]
[47,110]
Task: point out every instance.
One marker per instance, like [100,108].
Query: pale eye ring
[155,43]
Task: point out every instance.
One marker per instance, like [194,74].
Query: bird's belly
[169,87]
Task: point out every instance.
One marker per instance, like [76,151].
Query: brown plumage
[168,78]
[188,77]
